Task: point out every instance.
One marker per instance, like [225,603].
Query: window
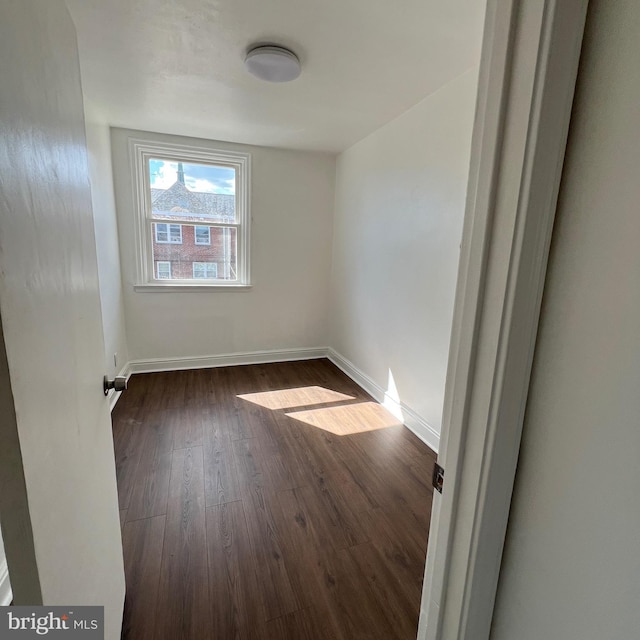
[205,270]
[203,235]
[192,216]
[168,233]
[163,270]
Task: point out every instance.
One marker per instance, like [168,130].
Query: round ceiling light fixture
[272,63]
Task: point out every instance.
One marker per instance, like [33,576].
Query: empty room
[267,183]
[284,290]
[260,241]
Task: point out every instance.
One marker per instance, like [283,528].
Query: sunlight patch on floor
[298,397]
[348,419]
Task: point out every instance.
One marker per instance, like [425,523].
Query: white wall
[400,196]
[287,307]
[107,247]
[571,566]
[60,433]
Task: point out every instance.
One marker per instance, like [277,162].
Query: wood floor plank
[304,624]
[268,502]
[399,608]
[159,392]
[238,612]
[388,534]
[174,384]
[151,490]
[123,517]
[337,509]
[142,542]
[295,452]
[188,430]
[307,538]
[334,490]
[240,427]
[260,424]
[128,446]
[278,595]
[348,594]
[184,610]
[199,389]
[220,465]
[346,470]
[250,466]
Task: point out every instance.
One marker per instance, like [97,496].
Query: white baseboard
[409,417]
[5,588]
[231,359]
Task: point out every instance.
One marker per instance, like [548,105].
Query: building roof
[197,204]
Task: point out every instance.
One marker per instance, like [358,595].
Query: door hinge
[438,477]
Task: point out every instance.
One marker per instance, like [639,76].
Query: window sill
[181,288]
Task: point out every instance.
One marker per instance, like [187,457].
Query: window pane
[202,235]
[163,270]
[162,233]
[192,260]
[205,269]
[175,233]
[192,191]
[171,233]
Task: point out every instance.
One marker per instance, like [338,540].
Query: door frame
[528,70]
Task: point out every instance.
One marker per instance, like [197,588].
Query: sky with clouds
[197,177]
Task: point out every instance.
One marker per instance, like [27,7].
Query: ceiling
[176,66]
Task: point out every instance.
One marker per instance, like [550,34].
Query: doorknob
[119,383]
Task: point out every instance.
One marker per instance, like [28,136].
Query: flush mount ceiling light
[272,63]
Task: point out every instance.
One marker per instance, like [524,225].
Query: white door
[50,310]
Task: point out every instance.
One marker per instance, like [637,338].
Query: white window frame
[195,235]
[168,240]
[140,152]
[158,263]
[207,266]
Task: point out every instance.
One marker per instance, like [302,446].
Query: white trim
[527,78]
[154,365]
[411,419]
[6,596]
[141,150]
[113,396]
[188,286]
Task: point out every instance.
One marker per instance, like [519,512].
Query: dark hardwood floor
[269,502]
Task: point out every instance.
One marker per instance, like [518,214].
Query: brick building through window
[202,250]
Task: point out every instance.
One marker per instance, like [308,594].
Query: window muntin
[202,235]
[205,270]
[168,233]
[163,270]
[217,213]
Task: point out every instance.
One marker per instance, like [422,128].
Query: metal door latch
[438,477]
[119,383]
